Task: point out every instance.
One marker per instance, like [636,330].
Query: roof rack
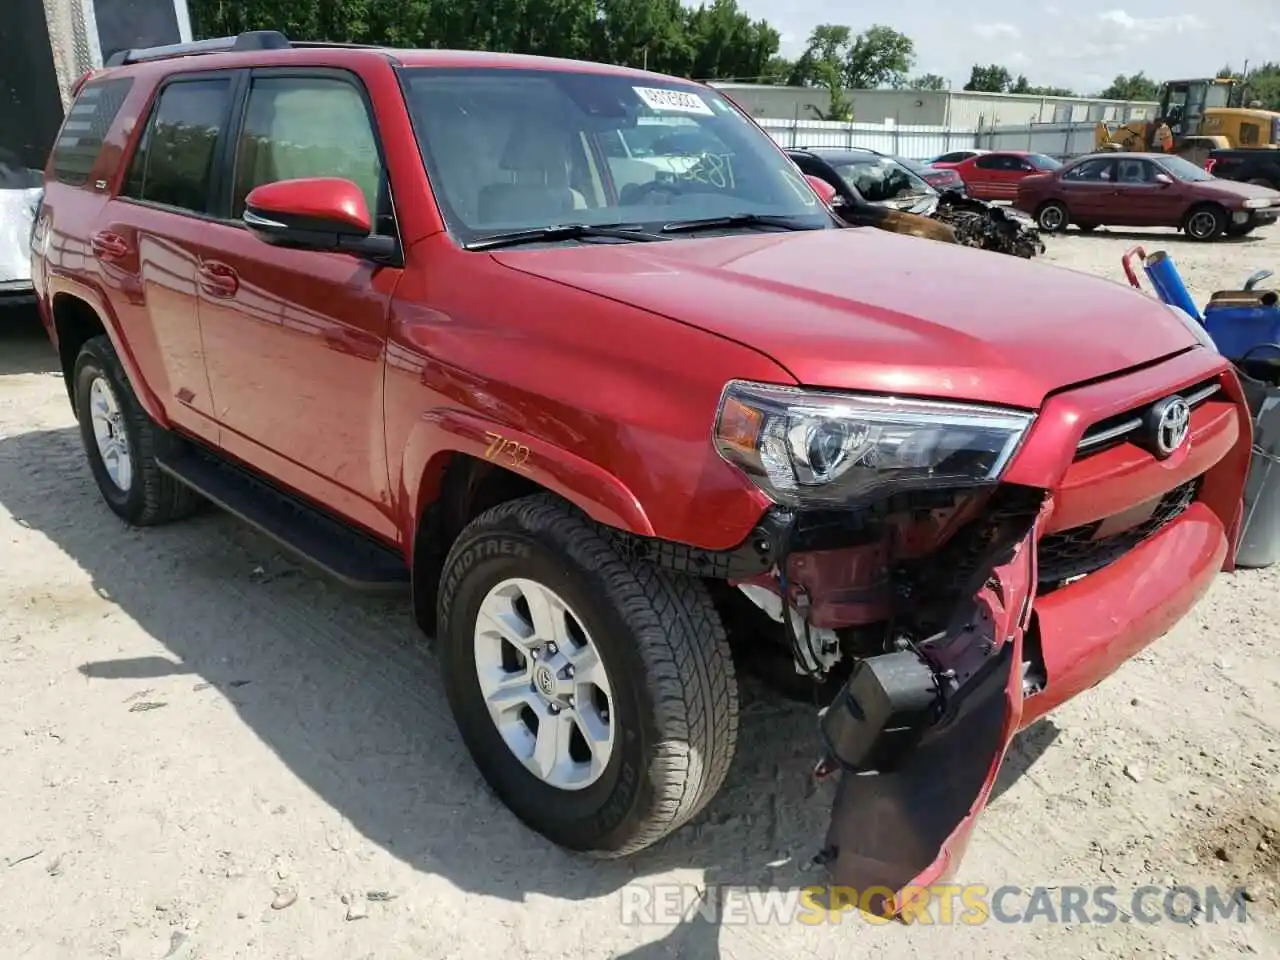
[249,41]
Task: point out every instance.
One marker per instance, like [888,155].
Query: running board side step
[336,549]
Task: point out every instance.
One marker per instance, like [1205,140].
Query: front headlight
[1257,203]
[813,448]
[1197,329]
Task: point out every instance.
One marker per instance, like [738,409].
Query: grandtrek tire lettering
[672,692]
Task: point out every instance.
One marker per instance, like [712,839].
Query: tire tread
[681,642]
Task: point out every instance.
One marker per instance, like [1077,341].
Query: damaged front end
[988,226]
[952,217]
[902,574]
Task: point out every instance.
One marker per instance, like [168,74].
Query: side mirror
[825,191]
[315,213]
[1164,179]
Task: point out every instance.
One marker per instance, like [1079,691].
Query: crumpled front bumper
[894,834]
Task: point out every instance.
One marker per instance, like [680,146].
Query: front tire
[533,599]
[122,442]
[1204,223]
[1052,217]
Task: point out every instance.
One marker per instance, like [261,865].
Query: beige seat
[537,157]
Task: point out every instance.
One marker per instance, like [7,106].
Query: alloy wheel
[544,684]
[110,433]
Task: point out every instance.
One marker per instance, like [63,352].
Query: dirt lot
[209,753]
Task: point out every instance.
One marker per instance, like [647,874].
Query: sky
[1080,44]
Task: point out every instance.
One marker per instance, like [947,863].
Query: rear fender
[440,433]
[894,834]
[58,285]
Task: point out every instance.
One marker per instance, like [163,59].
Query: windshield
[915,166]
[1185,169]
[526,149]
[879,179]
[1042,162]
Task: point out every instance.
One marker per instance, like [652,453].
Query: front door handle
[109,246]
[218,279]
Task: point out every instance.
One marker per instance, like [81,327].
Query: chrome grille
[1113,430]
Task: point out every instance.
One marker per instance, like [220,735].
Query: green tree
[1261,85]
[1022,85]
[878,57]
[992,78]
[1136,87]
[928,81]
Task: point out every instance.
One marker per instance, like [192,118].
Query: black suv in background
[1247,165]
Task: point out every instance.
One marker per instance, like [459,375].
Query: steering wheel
[634,194]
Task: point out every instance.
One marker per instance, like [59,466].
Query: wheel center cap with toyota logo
[1168,426]
[544,680]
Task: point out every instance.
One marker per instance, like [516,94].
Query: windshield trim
[462,234]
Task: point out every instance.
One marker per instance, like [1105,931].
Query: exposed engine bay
[952,217]
[987,226]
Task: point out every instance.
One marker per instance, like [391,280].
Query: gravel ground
[210,753]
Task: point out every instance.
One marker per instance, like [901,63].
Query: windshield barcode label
[673,101]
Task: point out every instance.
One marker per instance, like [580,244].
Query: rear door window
[174,162]
[999,161]
[1091,171]
[88,121]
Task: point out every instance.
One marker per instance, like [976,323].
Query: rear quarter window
[80,139]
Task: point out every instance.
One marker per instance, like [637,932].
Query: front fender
[59,285]
[441,433]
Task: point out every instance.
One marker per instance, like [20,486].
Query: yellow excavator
[1201,116]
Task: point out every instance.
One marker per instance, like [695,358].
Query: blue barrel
[1168,283]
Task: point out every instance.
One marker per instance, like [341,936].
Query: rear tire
[1052,217]
[1205,222]
[670,691]
[122,442]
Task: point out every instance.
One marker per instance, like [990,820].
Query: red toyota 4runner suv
[575,355]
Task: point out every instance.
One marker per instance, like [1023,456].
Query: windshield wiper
[563,231]
[739,220]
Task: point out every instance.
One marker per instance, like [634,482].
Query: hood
[1237,189]
[860,309]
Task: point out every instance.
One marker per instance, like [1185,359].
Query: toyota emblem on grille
[1168,425]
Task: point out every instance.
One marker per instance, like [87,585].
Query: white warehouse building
[945,108]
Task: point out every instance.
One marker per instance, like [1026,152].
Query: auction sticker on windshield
[673,101]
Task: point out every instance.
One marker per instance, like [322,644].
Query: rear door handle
[109,246]
[218,279]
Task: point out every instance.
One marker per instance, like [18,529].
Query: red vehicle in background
[1146,190]
[995,175]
